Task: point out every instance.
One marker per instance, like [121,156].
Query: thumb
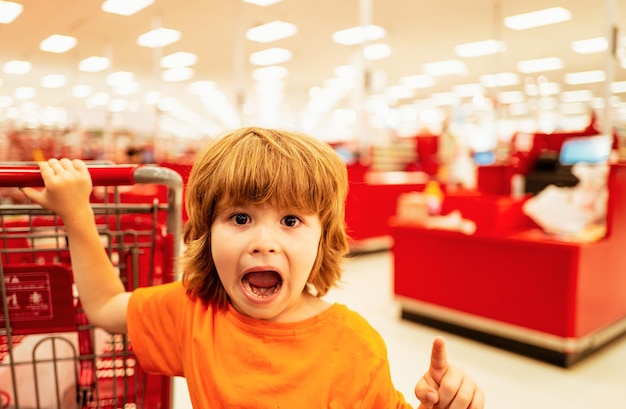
[427,396]
[33,194]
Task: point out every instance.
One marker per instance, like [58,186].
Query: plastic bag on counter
[573,213]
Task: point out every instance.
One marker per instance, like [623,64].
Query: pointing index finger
[438,360]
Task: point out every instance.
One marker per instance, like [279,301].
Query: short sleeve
[154,319]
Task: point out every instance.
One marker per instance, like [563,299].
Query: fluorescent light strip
[537,18]
[201,87]
[273,72]
[618,87]
[448,67]
[273,31]
[374,52]
[271,56]
[9,11]
[468,90]
[53,81]
[262,3]
[81,90]
[590,46]
[25,93]
[585,77]
[159,37]
[57,43]
[418,81]
[177,74]
[120,77]
[125,7]
[480,48]
[511,97]
[17,67]
[539,65]
[359,34]
[94,64]
[503,79]
[179,59]
[576,96]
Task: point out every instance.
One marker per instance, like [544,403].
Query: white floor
[510,381]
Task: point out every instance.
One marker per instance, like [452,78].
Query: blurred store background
[96,78]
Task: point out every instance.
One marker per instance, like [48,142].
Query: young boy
[247,326]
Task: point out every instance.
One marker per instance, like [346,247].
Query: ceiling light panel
[179,59]
[447,67]
[94,64]
[618,87]
[271,56]
[81,91]
[540,65]
[445,98]
[201,87]
[585,77]
[274,72]
[273,31]
[159,37]
[502,79]
[9,11]
[53,81]
[468,90]
[25,93]
[590,46]
[537,18]
[17,67]
[125,7]
[263,3]
[119,78]
[511,97]
[58,43]
[418,81]
[129,88]
[576,96]
[346,70]
[359,34]
[480,48]
[373,52]
[177,74]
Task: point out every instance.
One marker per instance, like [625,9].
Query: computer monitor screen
[592,149]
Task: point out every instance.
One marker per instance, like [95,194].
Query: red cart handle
[30,176]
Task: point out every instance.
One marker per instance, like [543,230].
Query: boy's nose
[264,240]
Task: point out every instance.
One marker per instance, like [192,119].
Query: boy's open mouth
[262,283]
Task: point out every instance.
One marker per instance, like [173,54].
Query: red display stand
[372,200]
[510,285]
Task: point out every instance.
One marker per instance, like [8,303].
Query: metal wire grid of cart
[50,356]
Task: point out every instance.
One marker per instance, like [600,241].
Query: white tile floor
[510,381]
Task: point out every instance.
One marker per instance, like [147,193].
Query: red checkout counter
[512,286]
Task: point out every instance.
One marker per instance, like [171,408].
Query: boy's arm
[67,190]
[447,386]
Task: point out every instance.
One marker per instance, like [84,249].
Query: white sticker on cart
[29,296]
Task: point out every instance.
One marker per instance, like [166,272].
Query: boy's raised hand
[67,184]
[445,386]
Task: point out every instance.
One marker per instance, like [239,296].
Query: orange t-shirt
[333,360]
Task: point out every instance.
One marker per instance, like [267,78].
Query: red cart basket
[50,355]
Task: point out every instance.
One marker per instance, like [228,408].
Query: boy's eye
[290,221]
[240,218]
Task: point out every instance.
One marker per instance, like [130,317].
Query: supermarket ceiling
[415,33]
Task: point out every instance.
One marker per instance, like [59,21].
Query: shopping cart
[50,355]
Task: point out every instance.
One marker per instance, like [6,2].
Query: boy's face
[264,257]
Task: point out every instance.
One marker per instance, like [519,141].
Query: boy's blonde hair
[255,166]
